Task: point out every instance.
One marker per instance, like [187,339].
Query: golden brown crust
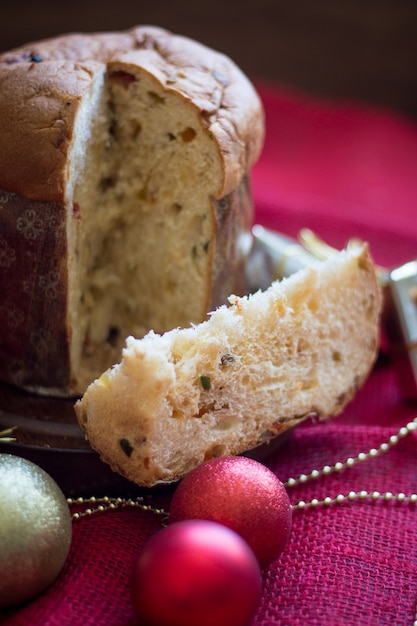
[38,106]
[57,71]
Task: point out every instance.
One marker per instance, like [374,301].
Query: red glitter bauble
[196,572]
[242,494]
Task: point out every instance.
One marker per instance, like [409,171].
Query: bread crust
[57,71]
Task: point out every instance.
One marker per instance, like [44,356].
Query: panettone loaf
[254,369]
[124,193]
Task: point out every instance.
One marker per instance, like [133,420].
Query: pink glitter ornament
[242,494]
[196,572]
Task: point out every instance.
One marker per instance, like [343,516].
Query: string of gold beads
[351,461]
[354,496]
[106,503]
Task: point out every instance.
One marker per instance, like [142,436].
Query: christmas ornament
[196,572]
[242,494]
[35,530]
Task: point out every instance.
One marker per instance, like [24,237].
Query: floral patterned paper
[33,305]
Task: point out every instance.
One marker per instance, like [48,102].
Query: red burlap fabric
[343,171]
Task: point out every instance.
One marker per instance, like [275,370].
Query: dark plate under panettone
[47,433]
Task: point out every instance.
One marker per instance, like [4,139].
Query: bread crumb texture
[255,368]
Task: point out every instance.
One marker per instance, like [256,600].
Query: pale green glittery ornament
[35,530]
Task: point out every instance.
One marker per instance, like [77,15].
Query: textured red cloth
[344,171]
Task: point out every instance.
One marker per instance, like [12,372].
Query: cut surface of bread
[252,370]
[126,156]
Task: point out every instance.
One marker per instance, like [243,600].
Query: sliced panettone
[124,188]
[254,369]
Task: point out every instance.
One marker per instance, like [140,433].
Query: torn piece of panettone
[254,369]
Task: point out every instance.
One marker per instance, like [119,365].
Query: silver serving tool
[275,256]
[401,325]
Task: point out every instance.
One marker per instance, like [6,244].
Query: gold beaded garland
[359,458]
[350,462]
[100,505]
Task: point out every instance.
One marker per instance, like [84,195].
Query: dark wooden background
[361,49]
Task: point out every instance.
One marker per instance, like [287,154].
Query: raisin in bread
[253,370]
[124,193]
